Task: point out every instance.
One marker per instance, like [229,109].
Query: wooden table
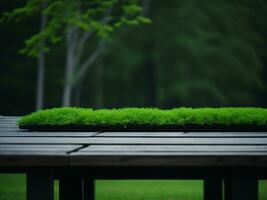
[76,159]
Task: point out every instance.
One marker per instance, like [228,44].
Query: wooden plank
[9,119]
[3,131]
[47,134]
[8,122]
[8,126]
[174,148]
[182,134]
[170,153]
[33,153]
[2,124]
[160,159]
[3,146]
[137,141]
[42,159]
[4,120]
[141,134]
[20,133]
[38,148]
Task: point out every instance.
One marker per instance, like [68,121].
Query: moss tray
[146,119]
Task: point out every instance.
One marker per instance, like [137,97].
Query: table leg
[241,185]
[40,186]
[70,189]
[89,189]
[213,188]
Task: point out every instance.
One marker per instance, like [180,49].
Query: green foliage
[100,16]
[147,116]
[201,53]
[210,53]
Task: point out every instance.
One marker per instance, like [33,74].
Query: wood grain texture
[183,134]
[24,148]
[133,141]
[15,133]
[175,148]
[39,148]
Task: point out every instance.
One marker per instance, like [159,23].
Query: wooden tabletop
[22,148]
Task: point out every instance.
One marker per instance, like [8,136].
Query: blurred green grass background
[13,187]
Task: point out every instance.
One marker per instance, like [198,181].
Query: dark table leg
[241,185]
[40,186]
[213,188]
[89,189]
[70,189]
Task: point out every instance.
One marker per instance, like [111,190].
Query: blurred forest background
[194,53]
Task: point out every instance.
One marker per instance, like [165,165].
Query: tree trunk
[68,82]
[41,69]
[75,70]
[40,82]
[69,71]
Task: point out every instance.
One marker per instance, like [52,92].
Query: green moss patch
[145,117]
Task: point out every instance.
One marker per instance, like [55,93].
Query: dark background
[195,53]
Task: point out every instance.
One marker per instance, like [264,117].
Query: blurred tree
[41,66]
[17,72]
[214,56]
[78,20]
[195,53]
[201,54]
